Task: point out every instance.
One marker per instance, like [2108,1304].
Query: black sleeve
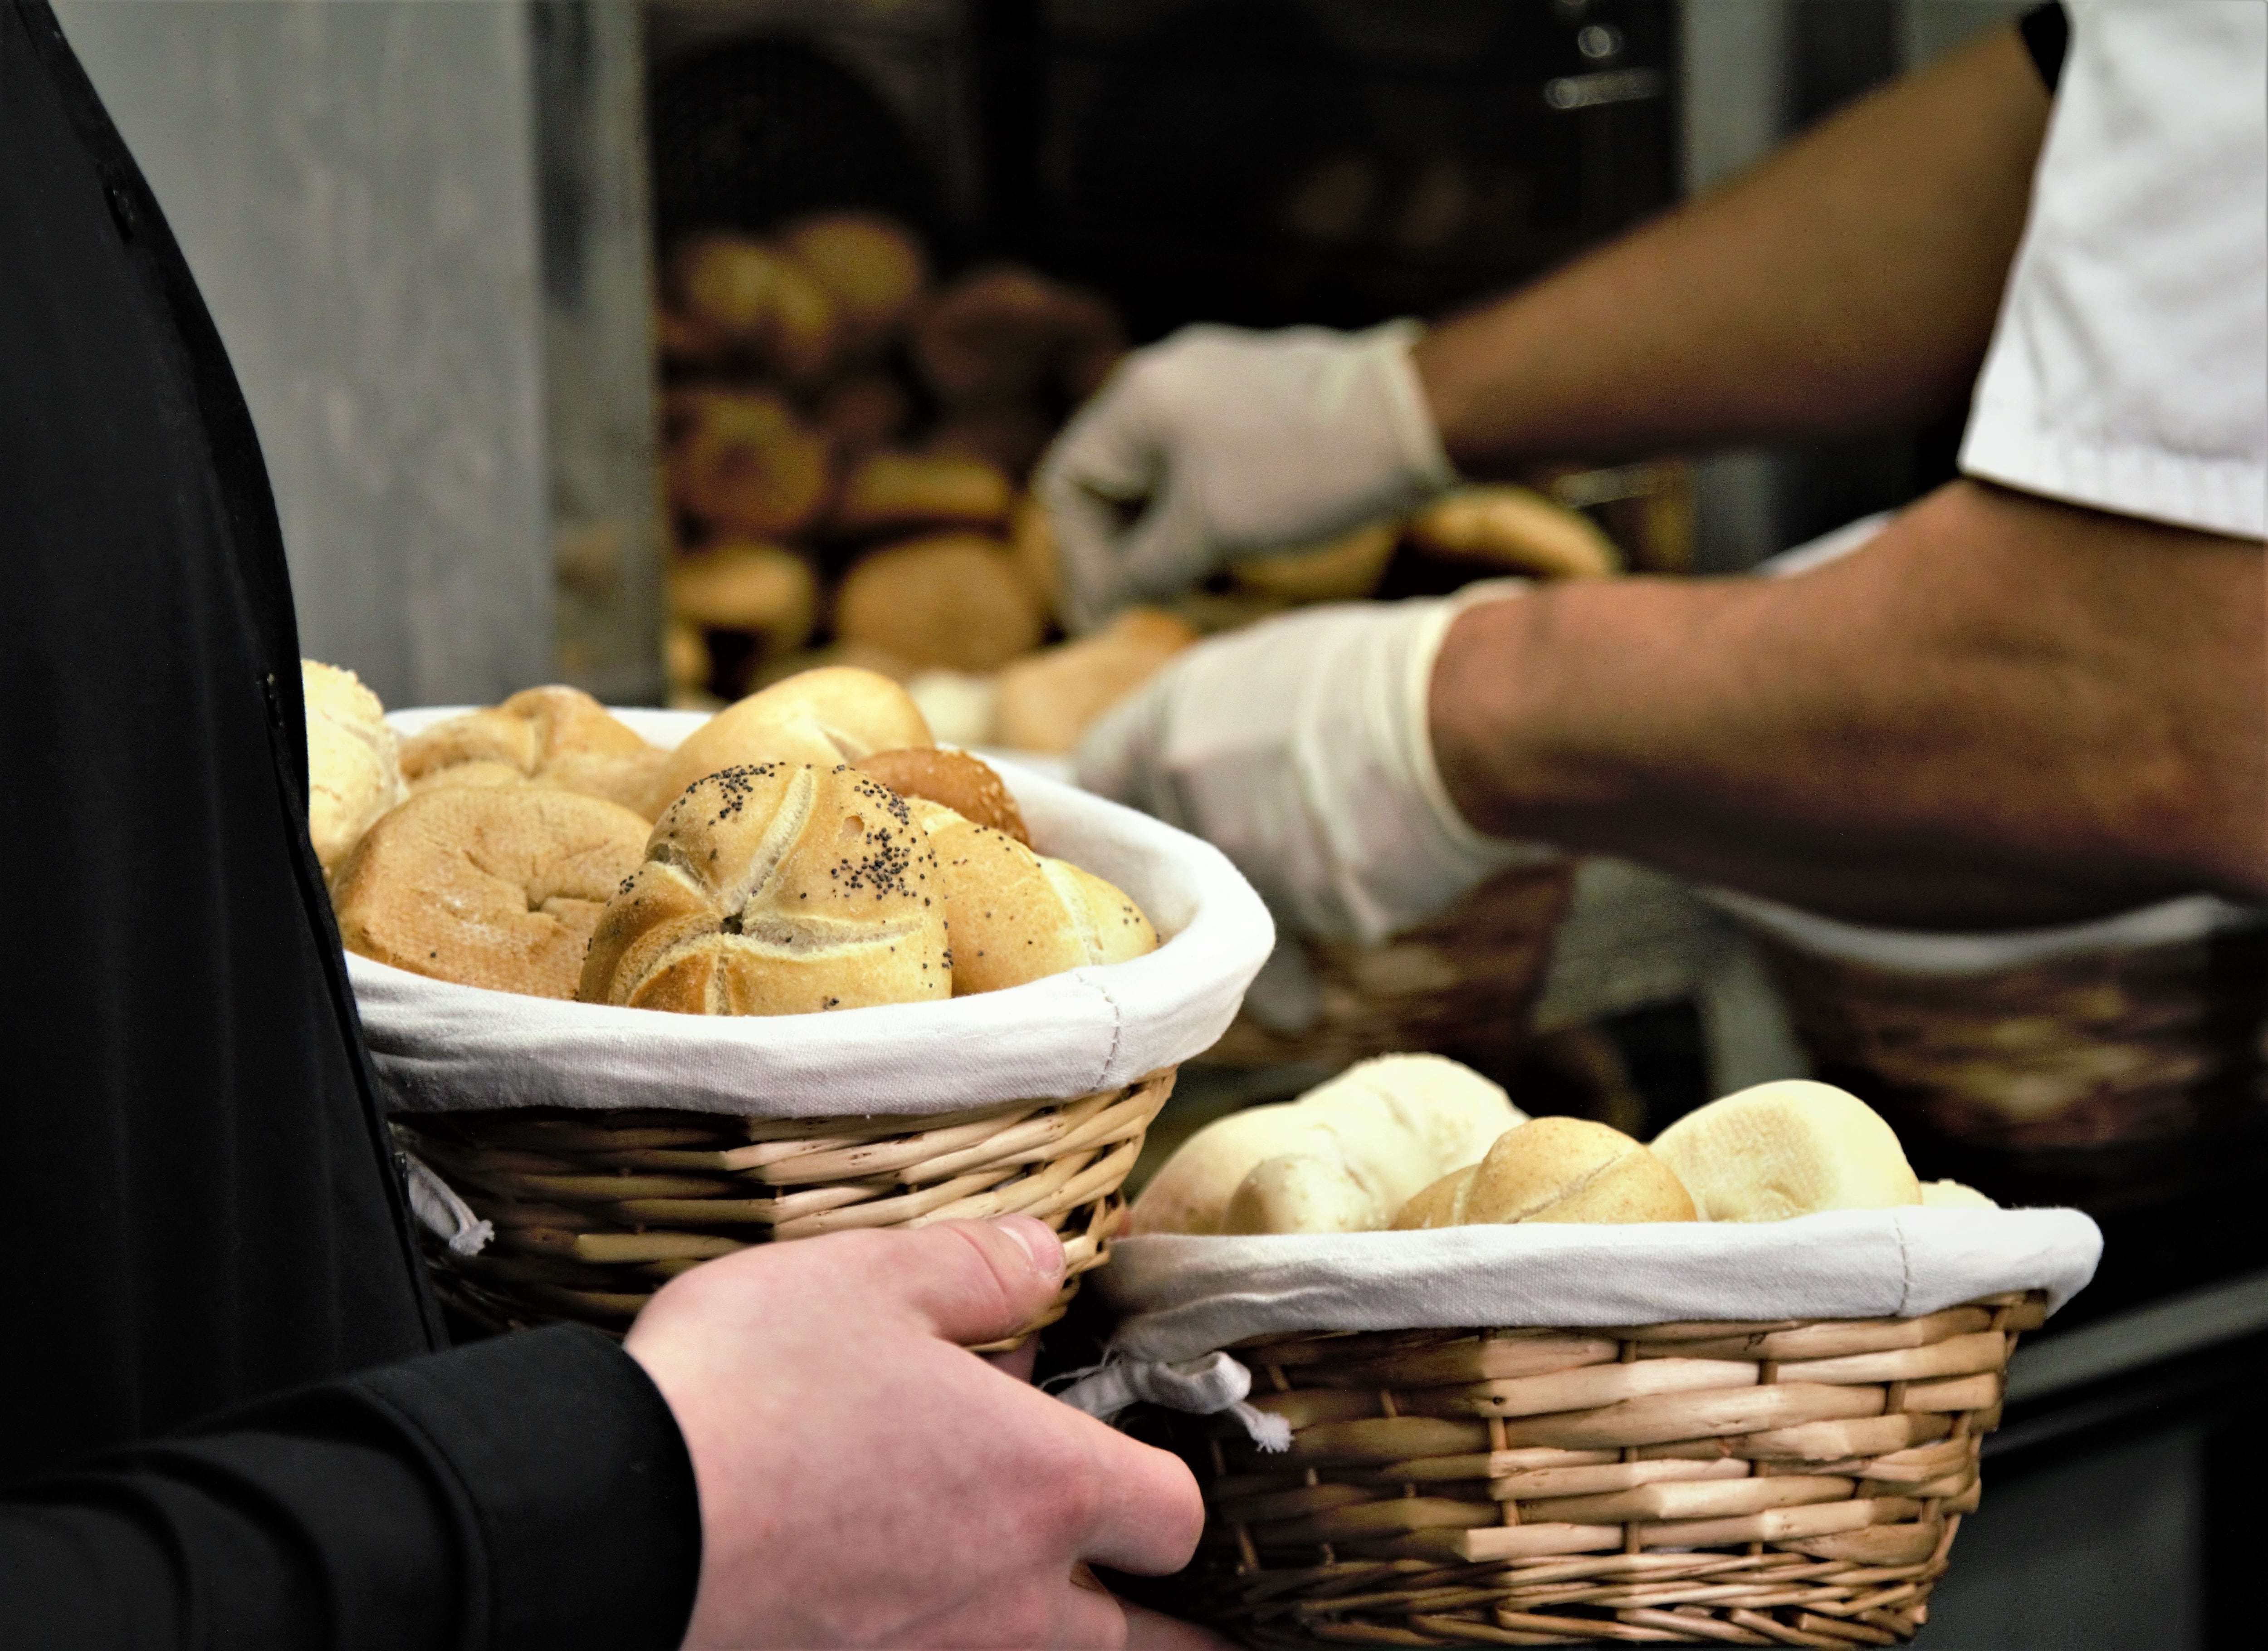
[528,1493]
[2047,37]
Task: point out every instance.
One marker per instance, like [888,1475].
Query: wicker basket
[1791,1483]
[1461,984]
[2079,1045]
[595,1212]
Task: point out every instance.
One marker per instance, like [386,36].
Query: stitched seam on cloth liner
[1905,1265]
[1117,1029]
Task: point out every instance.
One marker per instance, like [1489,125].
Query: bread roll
[1049,700]
[862,413]
[1343,1157]
[958,705]
[759,299]
[776,889]
[1007,335]
[743,462]
[916,489]
[1515,531]
[354,767]
[1011,438]
[1554,1169]
[834,714]
[1017,915]
[954,600]
[684,660]
[1951,1195]
[1031,541]
[748,585]
[1788,1148]
[553,736]
[487,886]
[870,266]
[962,782]
[1343,570]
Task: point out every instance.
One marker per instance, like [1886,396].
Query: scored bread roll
[554,736]
[354,767]
[954,600]
[913,489]
[779,888]
[1553,1169]
[1792,1147]
[1343,1157]
[1951,1195]
[1017,915]
[487,886]
[838,713]
[1048,700]
[1515,531]
[965,784]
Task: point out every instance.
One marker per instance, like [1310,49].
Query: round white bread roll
[1342,1158]
[1788,1148]
[1016,915]
[838,713]
[1554,1169]
[1951,1195]
[354,768]
[776,889]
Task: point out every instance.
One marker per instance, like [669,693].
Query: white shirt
[2129,370]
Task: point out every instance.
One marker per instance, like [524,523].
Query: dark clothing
[2046,32]
[194,1180]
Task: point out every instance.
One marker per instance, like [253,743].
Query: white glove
[1236,442]
[1301,748]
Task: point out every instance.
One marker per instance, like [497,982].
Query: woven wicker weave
[595,1211]
[1737,1483]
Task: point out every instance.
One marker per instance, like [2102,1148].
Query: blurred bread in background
[956,600]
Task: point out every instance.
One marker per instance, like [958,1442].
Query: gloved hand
[1231,443]
[1301,748]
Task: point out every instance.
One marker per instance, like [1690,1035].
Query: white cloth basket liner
[442,1047]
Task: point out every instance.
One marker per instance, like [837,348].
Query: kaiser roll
[1554,1169]
[838,713]
[1342,1158]
[354,770]
[555,736]
[962,782]
[1788,1148]
[780,888]
[1017,915]
[487,886]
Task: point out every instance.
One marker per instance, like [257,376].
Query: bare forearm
[1849,282]
[2003,711]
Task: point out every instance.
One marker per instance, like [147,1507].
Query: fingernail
[1039,1243]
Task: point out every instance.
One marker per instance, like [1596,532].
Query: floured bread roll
[554,736]
[487,886]
[964,783]
[1788,1148]
[1951,1195]
[1017,915]
[838,713]
[776,889]
[1342,1158]
[354,770]
[1554,1169]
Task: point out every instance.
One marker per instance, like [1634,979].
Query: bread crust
[1017,915]
[967,784]
[354,768]
[776,888]
[1555,1169]
[838,713]
[487,886]
[555,735]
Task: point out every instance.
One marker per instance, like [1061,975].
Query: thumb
[980,1281]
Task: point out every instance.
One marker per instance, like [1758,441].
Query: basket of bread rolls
[1451,1375]
[2133,1029]
[642,988]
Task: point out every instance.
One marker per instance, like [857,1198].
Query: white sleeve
[2129,370]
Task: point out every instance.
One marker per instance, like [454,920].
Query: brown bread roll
[962,782]
[835,714]
[1007,335]
[916,489]
[1048,700]
[1515,531]
[1791,1147]
[487,886]
[870,265]
[552,736]
[744,463]
[954,600]
[1017,915]
[776,889]
[354,767]
[1554,1169]
[1342,569]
